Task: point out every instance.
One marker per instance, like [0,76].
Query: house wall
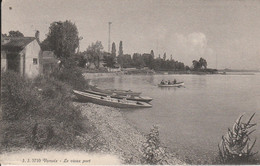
[32,50]
[3,61]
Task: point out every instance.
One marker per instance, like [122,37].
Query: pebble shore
[122,139]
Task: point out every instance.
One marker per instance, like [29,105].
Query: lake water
[193,118]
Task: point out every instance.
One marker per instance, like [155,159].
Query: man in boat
[162,82]
[174,81]
[169,82]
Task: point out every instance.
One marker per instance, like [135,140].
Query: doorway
[13,62]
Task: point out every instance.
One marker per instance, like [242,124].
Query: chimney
[4,39]
[37,35]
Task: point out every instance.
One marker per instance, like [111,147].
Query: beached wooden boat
[178,84]
[128,97]
[108,101]
[115,91]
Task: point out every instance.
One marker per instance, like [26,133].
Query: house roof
[15,43]
[49,57]
[47,54]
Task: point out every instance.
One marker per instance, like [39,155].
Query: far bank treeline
[64,40]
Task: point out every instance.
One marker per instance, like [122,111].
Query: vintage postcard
[130,82]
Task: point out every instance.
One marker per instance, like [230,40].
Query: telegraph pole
[109,23]
[216,61]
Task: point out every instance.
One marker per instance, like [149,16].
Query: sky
[224,32]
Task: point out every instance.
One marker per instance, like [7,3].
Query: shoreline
[122,138]
[111,74]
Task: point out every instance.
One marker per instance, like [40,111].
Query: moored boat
[178,84]
[108,101]
[115,91]
[128,97]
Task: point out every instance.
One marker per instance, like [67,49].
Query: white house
[21,54]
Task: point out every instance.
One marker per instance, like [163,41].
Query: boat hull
[171,85]
[102,100]
[115,91]
[133,98]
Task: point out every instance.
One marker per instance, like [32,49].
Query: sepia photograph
[130,82]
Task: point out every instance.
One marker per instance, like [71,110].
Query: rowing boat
[128,97]
[115,91]
[108,101]
[178,84]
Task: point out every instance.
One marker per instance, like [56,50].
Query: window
[35,61]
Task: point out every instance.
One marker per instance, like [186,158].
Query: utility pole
[109,23]
[216,61]
[157,47]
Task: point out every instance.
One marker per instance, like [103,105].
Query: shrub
[70,74]
[38,114]
[152,152]
[56,106]
[18,97]
[235,147]
[20,102]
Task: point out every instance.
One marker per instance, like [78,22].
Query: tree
[203,63]
[120,51]
[62,39]
[113,51]
[81,59]
[109,61]
[196,65]
[127,60]
[45,45]
[120,58]
[148,60]
[152,54]
[164,56]
[187,68]
[4,35]
[96,47]
[15,34]
[151,60]
[138,60]
[95,52]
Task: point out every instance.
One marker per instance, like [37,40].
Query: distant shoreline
[107,74]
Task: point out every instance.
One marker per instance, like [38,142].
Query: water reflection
[199,81]
[169,88]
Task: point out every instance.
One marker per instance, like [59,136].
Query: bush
[235,147]
[19,99]
[38,114]
[58,108]
[152,152]
[20,102]
[69,73]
